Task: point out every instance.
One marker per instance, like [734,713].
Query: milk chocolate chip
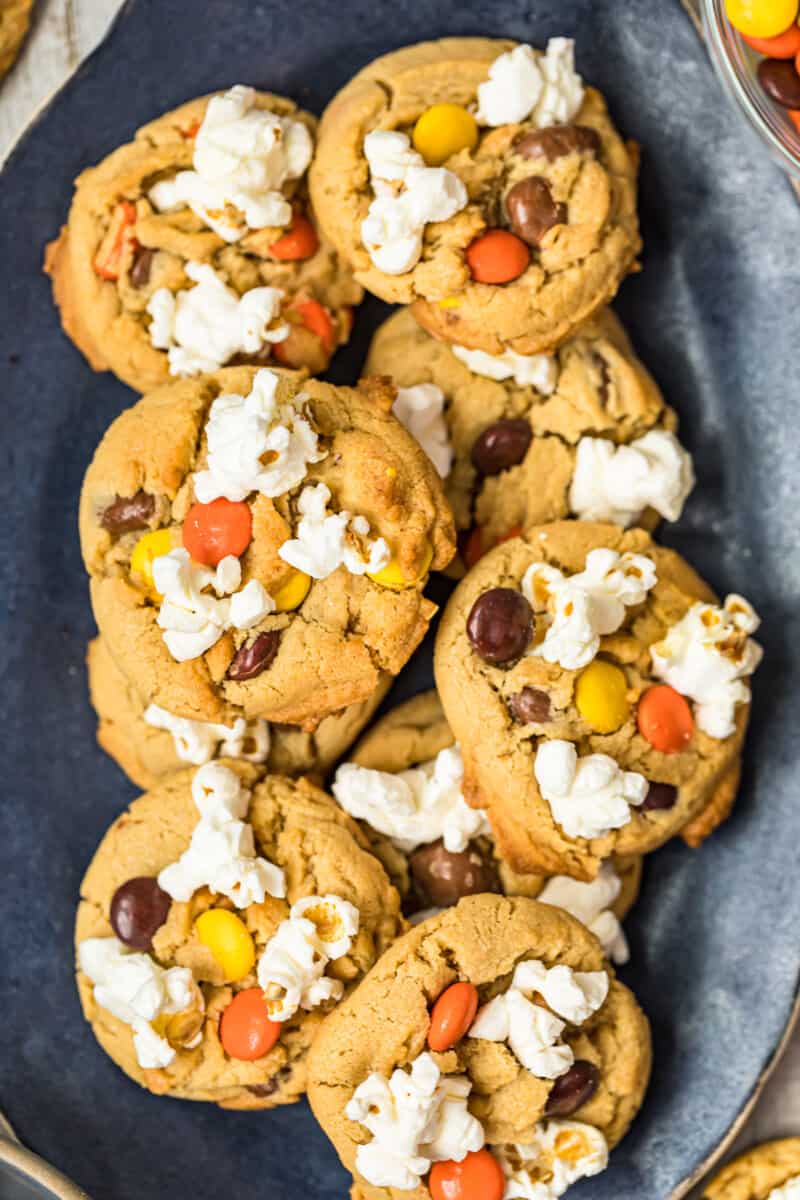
[128,512]
[780,80]
[249,661]
[530,705]
[444,876]
[142,264]
[572,1089]
[660,796]
[500,625]
[532,210]
[139,908]
[556,141]
[501,446]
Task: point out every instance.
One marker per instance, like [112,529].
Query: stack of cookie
[426,950]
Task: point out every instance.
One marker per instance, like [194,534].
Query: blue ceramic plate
[714,314]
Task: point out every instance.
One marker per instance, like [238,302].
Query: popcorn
[588,796]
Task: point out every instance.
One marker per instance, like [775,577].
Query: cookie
[204,968]
[480,180]
[522,440]
[403,781]
[543,1103]
[148,743]
[194,247]
[15,18]
[258,544]
[768,1172]
[599,695]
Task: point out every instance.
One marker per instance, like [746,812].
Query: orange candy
[212,531]
[452,1015]
[794,113]
[784,45]
[299,241]
[478,1177]
[245,1030]
[665,719]
[497,257]
[314,317]
[107,260]
[474,548]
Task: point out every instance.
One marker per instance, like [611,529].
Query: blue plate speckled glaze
[714,314]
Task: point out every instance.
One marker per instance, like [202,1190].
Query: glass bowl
[736,64]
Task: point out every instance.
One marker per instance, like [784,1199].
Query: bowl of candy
[755,48]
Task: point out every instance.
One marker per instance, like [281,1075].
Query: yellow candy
[761,18]
[600,696]
[150,546]
[228,939]
[449,302]
[442,130]
[393,578]
[293,592]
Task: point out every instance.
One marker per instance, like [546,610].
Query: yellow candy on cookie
[601,696]
[393,578]
[229,940]
[292,592]
[150,546]
[443,130]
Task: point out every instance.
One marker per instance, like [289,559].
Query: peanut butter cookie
[599,694]
[480,180]
[258,544]
[194,247]
[767,1172]
[525,439]
[491,1042]
[222,916]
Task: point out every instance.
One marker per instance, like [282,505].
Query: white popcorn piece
[257,443]
[222,855]
[561,1153]
[416,1118]
[421,410]
[203,327]
[291,970]
[539,371]
[136,990]
[413,807]
[592,904]
[325,541]
[584,607]
[522,85]
[408,195]
[706,656]
[787,1191]
[532,1032]
[197,742]
[617,483]
[242,156]
[192,618]
[589,796]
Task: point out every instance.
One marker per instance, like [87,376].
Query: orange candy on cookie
[300,241]
[497,257]
[245,1030]
[213,531]
[665,719]
[452,1015]
[478,1177]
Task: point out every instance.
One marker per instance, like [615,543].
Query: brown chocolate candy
[556,141]
[501,446]
[139,908]
[780,80]
[532,210]
[572,1089]
[250,660]
[142,264]
[500,625]
[128,512]
[530,705]
[443,876]
[660,796]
